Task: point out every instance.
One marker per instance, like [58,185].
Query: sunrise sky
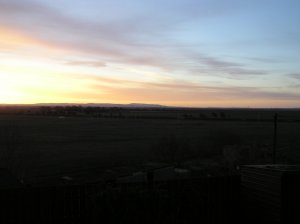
[195,53]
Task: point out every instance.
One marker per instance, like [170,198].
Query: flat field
[53,145]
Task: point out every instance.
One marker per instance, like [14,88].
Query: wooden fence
[209,200]
[60,204]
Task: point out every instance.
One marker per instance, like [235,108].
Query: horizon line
[140,105]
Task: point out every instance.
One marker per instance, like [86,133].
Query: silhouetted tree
[221,138]
[214,114]
[222,115]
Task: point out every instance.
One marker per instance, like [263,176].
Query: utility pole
[275,138]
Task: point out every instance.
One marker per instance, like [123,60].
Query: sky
[193,53]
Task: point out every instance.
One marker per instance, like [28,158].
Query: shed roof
[275,167]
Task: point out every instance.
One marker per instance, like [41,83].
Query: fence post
[275,138]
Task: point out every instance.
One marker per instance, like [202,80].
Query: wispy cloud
[294,76]
[124,41]
[86,63]
[180,90]
[220,66]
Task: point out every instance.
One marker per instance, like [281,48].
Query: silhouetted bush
[217,140]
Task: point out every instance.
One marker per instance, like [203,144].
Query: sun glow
[32,81]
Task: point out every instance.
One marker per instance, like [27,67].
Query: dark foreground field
[82,165]
[86,148]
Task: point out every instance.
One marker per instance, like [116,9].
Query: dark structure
[270,193]
[261,194]
[140,198]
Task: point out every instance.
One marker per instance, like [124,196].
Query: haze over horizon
[193,53]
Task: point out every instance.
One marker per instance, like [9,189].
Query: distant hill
[131,105]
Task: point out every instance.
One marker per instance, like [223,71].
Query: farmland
[87,147]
